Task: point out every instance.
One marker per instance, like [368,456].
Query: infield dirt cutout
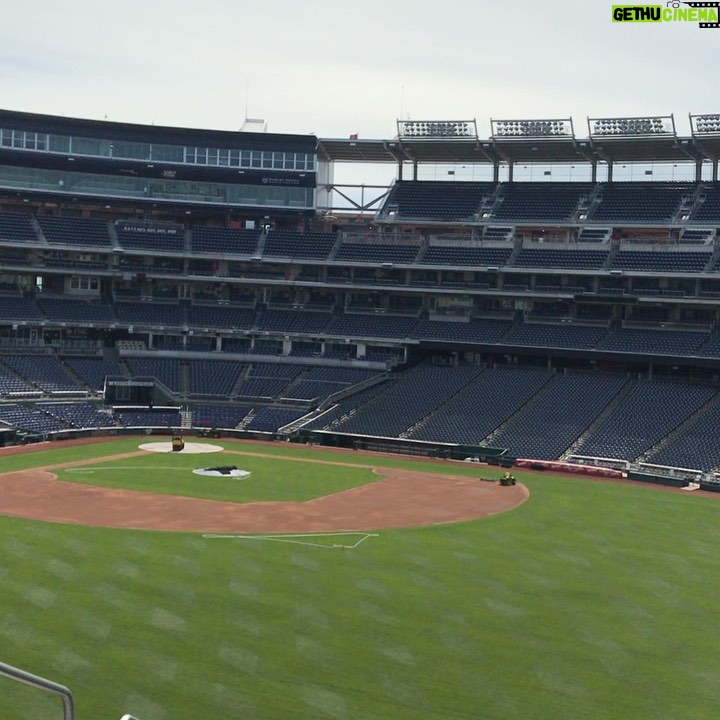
[400,498]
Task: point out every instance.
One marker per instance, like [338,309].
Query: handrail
[42,683]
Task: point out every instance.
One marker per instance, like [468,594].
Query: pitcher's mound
[189,449]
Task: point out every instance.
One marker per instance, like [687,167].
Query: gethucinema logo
[706,14]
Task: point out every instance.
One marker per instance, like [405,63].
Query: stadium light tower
[705,131]
[631,126]
[437,129]
[527,129]
[705,124]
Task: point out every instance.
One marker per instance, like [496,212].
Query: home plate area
[188,448]
[222,471]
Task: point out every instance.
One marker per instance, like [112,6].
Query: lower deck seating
[30,418]
[407,402]
[81,415]
[149,418]
[559,414]
[650,411]
[697,446]
[490,400]
[269,419]
[206,415]
[533,412]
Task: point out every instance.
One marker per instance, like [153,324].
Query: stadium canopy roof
[646,149]
[661,148]
[131,132]
[709,146]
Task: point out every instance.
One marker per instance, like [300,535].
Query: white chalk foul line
[301,539]
[90,471]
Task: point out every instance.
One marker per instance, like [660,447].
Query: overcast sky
[335,67]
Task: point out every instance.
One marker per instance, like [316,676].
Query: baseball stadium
[275,446]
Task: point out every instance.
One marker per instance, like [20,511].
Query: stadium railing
[41,683]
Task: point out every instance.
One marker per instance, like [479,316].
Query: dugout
[402,446]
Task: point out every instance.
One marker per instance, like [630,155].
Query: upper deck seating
[633,202]
[708,210]
[262,387]
[541,201]
[214,377]
[154,314]
[436,200]
[711,348]
[292,321]
[377,253]
[76,311]
[552,335]
[661,261]
[479,330]
[654,342]
[93,370]
[17,228]
[561,259]
[320,382]
[696,236]
[166,370]
[227,317]
[268,380]
[498,232]
[466,256]
[12,385]
[224,240]
[291,244]
[594,235]
[358,325]
[150,238]
[76,231]
[44,371]
[18,309]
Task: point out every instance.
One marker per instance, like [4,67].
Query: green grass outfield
[592,600]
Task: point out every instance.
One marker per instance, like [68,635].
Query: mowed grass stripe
[590,600]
